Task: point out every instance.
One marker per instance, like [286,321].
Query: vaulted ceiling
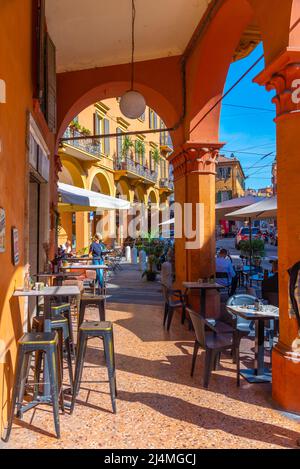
[93,33]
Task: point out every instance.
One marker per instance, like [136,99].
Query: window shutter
[219,197]
[119,144]
[107,139]
[51,84]
[155,120]
[41,36]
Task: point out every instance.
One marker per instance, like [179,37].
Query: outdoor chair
[211,341]
[242,327]
[174,299]
[224,275]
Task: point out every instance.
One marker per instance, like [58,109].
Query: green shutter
[219,197]
[50,84]
[106,139]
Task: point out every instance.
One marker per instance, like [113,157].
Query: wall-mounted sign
[15,246]
[2,230]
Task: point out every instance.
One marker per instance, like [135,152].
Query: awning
[238,202]
[82,199]
[266,208]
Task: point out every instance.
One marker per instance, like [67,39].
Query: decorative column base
[286,378]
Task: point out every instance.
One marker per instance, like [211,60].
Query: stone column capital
[196,158]
[283,75]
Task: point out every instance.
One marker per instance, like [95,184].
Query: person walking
[96,250]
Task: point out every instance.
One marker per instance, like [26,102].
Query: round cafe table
[259,374]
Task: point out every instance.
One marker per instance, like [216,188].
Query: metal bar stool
[64,309]
[46,343]
[92,301]
[103,330]
[59,324]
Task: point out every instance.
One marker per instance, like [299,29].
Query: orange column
[194,178]
[281,75]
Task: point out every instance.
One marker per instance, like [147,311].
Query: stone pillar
[194,180]
[281,76]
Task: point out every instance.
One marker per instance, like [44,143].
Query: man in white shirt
[224,265]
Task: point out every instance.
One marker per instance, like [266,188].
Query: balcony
[135,170]
[166,185]
[87,149]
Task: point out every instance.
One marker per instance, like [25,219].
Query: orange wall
[15,69]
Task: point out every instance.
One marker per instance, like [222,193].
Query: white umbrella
[266,208]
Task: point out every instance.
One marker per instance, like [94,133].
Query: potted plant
[75,126]
[156,155]
[256,248]
[151,272]
[127,146]
[140,148]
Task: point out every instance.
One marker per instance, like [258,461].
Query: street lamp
[132,103]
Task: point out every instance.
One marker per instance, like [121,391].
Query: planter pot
[151,276]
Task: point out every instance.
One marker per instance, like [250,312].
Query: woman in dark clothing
[96,250]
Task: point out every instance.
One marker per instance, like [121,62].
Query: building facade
[230,179]
[134,168]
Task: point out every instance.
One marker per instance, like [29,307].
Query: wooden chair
[211,341]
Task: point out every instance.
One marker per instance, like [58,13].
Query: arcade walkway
[159,405]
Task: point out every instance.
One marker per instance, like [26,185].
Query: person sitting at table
[270,286]
[96,250]
[224,265]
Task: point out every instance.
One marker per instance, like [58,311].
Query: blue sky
[251,131]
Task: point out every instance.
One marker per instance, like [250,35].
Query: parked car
[244,235]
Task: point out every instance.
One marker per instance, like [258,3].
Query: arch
[140,194]
[152,197]
[100,179]
[75,170]
[209,63]
[123,190]
[77,90]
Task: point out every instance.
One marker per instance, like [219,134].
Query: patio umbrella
[223,208]
[266,208]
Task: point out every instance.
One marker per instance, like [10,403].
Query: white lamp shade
[132,104]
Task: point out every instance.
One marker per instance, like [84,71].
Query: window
[224,172]
[150,161]
[143,117]
[152,119]
[106,139]
[119,143]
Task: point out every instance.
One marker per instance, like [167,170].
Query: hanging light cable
[132,103]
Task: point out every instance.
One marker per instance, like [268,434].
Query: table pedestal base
[252,377]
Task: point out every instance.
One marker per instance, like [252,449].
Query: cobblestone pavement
[159,405]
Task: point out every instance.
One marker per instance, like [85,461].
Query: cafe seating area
[132,376]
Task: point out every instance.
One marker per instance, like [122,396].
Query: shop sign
[15,246]
[2,230]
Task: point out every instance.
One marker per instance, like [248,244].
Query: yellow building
[135,168]
[230,179]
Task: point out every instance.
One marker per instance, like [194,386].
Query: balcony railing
[90,145]
[132,166]
[165,183]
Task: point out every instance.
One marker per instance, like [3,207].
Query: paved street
[228,243]
[159,404]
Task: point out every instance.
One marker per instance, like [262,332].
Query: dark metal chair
[174,299]
[211,341]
